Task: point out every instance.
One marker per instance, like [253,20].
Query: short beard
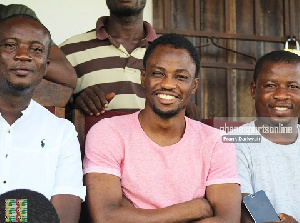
[165,115]
[16,87]
[284,122]
[127,11]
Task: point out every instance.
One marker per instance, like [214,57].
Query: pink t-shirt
[153,176]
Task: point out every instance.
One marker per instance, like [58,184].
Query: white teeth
[165,96]
[281,108]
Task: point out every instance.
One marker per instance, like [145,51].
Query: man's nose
[281,93]
[23,53]
[168,82]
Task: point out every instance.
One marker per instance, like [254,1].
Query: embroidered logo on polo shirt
[43,143]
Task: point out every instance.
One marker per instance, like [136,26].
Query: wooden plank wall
[250,27]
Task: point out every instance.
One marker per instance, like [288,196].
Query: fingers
[109,96]
[286,218]
[93,101]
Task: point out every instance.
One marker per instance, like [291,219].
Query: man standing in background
[108,60]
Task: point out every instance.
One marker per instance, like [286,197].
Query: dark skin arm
[225,200]
[60,70]
[92,100]
[245,215]
[67,207]
[106,204]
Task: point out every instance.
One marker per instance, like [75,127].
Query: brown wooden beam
[256,17]
[230,101]
[197,14]
[292,18]
[238,66]
[286,18]
[196,33]
[227,15]
[167,14]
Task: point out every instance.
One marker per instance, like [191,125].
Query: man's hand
[285,218]
[93,101]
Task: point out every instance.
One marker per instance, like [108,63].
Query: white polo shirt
[40,152]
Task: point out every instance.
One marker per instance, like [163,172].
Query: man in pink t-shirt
[157,165]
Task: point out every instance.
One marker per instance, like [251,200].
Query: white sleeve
[244,165]
[68,176]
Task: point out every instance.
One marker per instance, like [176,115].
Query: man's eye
[293,87]
[10,46]
[270,85]
[157,74]
[37,49]
[181,77]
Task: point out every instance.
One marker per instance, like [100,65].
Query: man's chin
[166,114]
[18,87]
[283,121]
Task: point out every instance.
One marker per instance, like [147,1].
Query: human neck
[164,132]
[11,107]
[128,31]
[281,134]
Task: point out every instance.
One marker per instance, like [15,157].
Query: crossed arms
[107,204]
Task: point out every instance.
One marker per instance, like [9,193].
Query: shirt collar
[102,34]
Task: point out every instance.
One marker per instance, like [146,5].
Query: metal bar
[238,66]
[196,33]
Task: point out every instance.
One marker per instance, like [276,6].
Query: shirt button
[6,155]
[4,181]
[8,131]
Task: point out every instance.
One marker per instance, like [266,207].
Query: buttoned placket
[5,142]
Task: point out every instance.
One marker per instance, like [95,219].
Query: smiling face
[277,93]
[23,54]
[169,80]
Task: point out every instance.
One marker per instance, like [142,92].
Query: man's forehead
[21,28]
[22,24]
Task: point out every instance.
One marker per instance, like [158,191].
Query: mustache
[164,89]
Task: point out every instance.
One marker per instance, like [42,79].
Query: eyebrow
[16,39]
[9,39]
[182,71]
[37,42]
[157,67]
[289,82]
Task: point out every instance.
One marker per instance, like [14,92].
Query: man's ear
[143,77]
[47,65]
[253,89]
[195,84]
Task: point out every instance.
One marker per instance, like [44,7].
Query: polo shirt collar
[102,34]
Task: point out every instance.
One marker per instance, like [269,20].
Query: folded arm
[226,203]
[106,204]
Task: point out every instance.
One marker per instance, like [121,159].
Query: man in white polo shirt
[38,151]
